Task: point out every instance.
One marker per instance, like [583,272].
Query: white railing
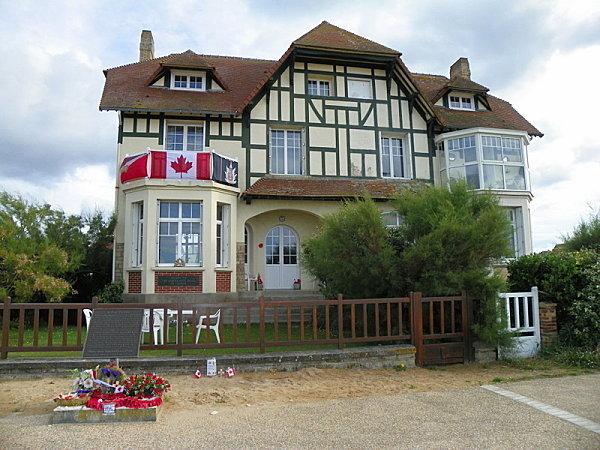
[523,319]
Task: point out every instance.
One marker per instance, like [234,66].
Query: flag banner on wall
[225,170]
[180,165]
[134,167]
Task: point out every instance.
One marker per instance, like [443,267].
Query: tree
[350,253]
[45,252]
[585,236]
[451,238]
[30,263]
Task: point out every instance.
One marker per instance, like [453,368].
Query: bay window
[222,241]
[484,161]
[138,234]
[180,232]
[517,236]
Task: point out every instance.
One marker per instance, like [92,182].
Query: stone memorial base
[81,414]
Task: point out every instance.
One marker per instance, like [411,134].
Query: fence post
[467,322]
[5,328]
[340,314]
[94,302]
[179,330]
[416,325]
[261,318]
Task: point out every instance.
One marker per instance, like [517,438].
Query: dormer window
[461,102]
[187,81]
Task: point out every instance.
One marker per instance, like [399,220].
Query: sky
[56,147]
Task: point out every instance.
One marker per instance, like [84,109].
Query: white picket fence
[523,314]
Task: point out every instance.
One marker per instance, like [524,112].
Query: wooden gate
[440,329]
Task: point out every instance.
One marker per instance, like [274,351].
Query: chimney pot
[146,46]
[460,69]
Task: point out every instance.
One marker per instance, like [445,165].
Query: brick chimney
[460,69]
[146,46]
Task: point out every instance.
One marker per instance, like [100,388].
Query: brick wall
[223,281]
[240,268]
[178,289]
[135,283]
[119,250]
[548,325]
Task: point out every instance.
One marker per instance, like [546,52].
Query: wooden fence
[57,327]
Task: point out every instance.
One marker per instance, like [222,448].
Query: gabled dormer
[187,71]
[460,92]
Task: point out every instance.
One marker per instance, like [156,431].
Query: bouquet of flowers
[83,382]
[146,385]
[108,377]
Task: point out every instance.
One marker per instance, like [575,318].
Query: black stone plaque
[114,333]
[178,280]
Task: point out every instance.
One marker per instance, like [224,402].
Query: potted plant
[259,283]
[297,284]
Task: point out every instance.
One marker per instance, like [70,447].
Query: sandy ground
[34,396]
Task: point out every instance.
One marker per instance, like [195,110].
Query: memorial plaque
[178,280]
[114,333]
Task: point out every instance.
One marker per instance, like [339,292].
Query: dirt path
[34,396]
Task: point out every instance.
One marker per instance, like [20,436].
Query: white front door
[281,265]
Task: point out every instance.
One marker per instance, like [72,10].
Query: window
[391,219]
[393,158]
[286,152]
[484,161]
[138,234]
[507,170]
[222,247]
[185,137]
[187,81]
[461,102]
[515,216]
[359,89]
[318,87]
[180,232]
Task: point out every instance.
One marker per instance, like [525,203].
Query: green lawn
[229,334]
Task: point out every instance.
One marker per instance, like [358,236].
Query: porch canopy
[311,188]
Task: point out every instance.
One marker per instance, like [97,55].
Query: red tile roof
[127,87]
[328,36]
[311,188]
[501,115]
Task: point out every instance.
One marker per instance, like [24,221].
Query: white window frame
[187,76]
[180,240]
[395,216]
[320,84]
[405,156]
[137,235]
[362,82]
[474,168]
[462,102]
[185,130]
[515,217]
[273,165]
[222,235]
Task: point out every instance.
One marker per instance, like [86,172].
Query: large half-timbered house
[225,165]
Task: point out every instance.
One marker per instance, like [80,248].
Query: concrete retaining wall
[378,357]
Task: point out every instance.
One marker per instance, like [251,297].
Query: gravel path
[456,418]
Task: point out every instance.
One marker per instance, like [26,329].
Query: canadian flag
[134,167]
[180,165]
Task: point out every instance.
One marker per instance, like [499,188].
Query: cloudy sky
[543,56]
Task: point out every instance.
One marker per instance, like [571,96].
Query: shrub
[112,293]
[574,357]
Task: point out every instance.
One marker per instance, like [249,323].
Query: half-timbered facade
[226,165]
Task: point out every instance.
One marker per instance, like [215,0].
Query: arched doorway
[281,253]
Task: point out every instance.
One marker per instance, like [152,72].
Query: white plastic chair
[206,322]
[158,325]
[88,317]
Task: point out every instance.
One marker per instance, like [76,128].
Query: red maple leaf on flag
[182,165]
